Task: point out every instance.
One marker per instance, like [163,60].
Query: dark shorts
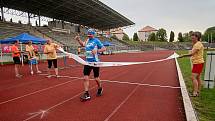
[88,69]
[197,68]
[54,62]
[16,60]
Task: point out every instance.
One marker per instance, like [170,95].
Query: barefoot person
[32,57]
[197,62]
[93,46]
[50,50]
[16,58]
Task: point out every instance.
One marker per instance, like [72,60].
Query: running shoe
[18,76]
[39,72]
[85,97]
[49,76]
[99,92]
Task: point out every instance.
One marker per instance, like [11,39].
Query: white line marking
[142,84]
[43,112]
[22,84]
[51,87]
[130,83]
[120,105]
[123,102]
[189,110]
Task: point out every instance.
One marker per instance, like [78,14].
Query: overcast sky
[175,15]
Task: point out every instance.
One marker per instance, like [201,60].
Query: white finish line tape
[108,64]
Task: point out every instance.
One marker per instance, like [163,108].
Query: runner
[16,58]
[50,50]
[93,46]
[32,57]
[197,62]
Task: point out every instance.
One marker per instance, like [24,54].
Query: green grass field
[205,104]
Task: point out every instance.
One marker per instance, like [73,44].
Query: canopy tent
[24,38]
[107,43]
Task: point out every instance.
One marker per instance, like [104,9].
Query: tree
[125,37]
[209,35]
[180,37]
[135,37]
[185,37]
[172,36]
[162,35]
[152,37]
[114,37]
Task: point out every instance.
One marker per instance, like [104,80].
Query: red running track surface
[131,93]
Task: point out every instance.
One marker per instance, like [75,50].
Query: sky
[172,15]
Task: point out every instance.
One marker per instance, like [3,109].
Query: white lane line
[188,107]
[42,90]
[120,105]
[129,83]
[123,102]
[22,84]
[142,84]
[42,113]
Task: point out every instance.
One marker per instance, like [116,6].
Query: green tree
[114,37]
[187,36]
[209,35]
[125,37]
[172,36]
[162,35]
[180,37]
[152,37]
[135,37]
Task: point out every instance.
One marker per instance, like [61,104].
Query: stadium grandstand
[66,19]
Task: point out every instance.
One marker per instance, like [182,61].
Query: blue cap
[91,31]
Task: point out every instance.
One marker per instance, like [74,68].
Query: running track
[148,92]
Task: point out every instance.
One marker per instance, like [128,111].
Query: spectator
[79,50]
[16,58]
[50,50]
[32,58]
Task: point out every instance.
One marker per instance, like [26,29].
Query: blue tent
[107,43]
[24,38]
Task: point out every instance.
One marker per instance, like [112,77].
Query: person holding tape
[93,47]
[197,62]
[50,50]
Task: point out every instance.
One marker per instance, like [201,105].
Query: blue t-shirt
[92,43]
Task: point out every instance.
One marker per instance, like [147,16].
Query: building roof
[117,31]
[147,29]
[91,13]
